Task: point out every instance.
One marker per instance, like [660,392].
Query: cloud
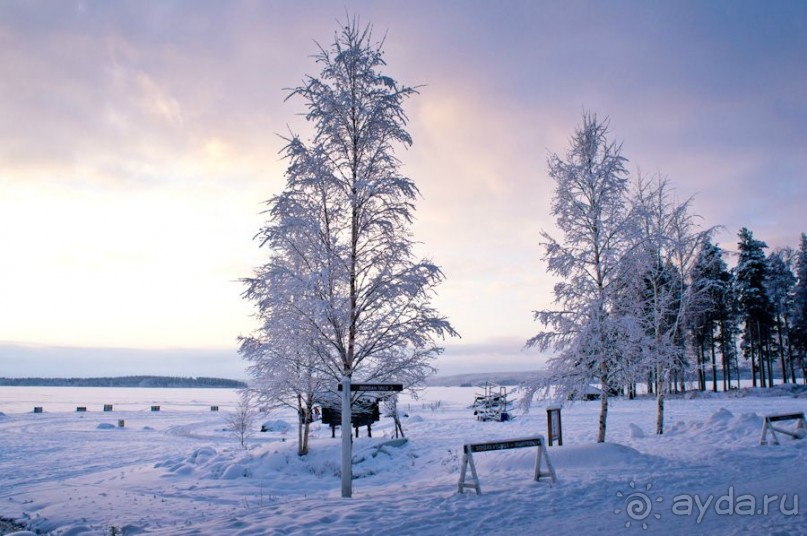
[138,140]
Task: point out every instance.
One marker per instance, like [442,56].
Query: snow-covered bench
[468,458]
[767,424]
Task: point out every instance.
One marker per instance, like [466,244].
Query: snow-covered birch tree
[343,287]
[590,206]
[668,244]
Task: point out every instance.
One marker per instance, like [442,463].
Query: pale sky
[138,140]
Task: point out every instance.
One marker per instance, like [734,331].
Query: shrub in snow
[276,426]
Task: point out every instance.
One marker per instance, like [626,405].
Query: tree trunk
[660,412]
[300,448]
[603,402]
[749,327]
[701,365]
[781,348]
[769,347]
[714,360]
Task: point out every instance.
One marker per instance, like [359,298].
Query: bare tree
[241,421]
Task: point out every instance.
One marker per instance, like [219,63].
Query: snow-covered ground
[177,472]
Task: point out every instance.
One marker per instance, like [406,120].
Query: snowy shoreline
[178,472]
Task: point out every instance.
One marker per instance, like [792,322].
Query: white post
[347,438]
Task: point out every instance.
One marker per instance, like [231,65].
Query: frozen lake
[60,399]
[178,471]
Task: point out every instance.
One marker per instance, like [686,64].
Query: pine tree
[780,284]
[709,317]
[754,305]
[798,330]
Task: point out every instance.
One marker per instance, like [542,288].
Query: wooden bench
[767,424]
[468,459]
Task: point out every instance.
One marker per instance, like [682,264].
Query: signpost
[346,387]
[379,387]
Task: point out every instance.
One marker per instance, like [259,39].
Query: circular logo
[638,505]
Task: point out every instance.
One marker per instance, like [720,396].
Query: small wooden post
[554,430]
[120,423]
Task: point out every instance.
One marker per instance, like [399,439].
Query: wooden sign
[503,445]
[380,387]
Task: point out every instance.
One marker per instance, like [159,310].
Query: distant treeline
[125,381]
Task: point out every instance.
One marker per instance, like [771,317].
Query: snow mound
[596,455]
[3,415]
[106,426]
[636,432]
[234,471]
[201,455]
[276,426]
[721,416]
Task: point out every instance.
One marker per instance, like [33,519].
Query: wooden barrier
[214,408]
[155,408]
[470,448]
[767,424]
[81,409]
[107,407]
[37,409]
